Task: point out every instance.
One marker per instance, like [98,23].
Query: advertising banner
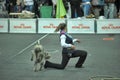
[48,25]
[108,26]
[3,25]
[22,25]
[80,25]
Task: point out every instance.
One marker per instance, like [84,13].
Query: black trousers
[75,9]
[65,59]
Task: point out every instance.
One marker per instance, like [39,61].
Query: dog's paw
[35,70]
[40,69]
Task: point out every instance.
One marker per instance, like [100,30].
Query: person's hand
[11,4]
[78,40]
[73,47]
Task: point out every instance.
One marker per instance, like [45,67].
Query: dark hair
[61,26]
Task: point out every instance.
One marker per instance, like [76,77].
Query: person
[18,6]
[29,5]
[12,5]
[3,11]
[68,50]
[97,7]
[109,9]
[75,8]
[86,5]
[54,8]
[117,2]
[7,5]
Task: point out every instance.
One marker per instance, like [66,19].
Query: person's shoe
[79,66]
[45,65]
[47,56]
[78,17]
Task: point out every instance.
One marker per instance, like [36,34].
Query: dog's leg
[35,63]
[35,66]
[41,66]
[32,55]
[38,66]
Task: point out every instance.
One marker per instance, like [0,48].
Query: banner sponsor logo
[1,26]
[22,26]
[81,26]
[110,26]
[50,26]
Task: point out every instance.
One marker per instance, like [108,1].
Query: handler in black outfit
[68,50]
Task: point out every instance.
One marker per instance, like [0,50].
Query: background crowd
[74,8]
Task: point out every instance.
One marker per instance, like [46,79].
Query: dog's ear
[38,42]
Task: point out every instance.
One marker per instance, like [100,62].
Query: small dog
[39,56]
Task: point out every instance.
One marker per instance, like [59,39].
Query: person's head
[61,26]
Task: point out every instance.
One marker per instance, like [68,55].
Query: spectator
[36,8]
[109,9]
[86,5]
[49,2]
[3,12]
[66,4]
[75,8]
[54,7]
[12,5]
[97,7]
[2,5]
[46,2]
[28,5]
[18,7]
[7,5]
[117,3]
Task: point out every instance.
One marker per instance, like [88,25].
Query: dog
[40,56]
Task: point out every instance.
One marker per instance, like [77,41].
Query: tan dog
[39,56]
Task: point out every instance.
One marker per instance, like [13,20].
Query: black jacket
[75,1]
